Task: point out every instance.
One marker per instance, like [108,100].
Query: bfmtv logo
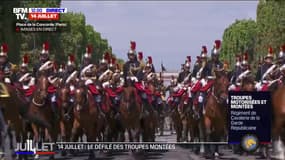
[38,13]
[20,13]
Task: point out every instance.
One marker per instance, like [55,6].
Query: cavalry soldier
[281,55]
[184,76]
[268,62]
[25,79]
[86,60]
[61,71]
[203,70]
[237,69]
[71,74]
[50,68]
[44,57]
[105,72]
[70,67]
[196,67]
[215,64]
[245,69]
[6,67]
[131,67]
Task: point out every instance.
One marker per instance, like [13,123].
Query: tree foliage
[271,26]
[238,38]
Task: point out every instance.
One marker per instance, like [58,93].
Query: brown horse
[150,116]
[40,107]
[13,109]
[85,116]
[66,112]
[278,128]
[130,111]
[215,118]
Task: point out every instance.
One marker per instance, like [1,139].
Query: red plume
[245,56]
[189,58]
[204,49]
[218,44]
[62,66]
[46,46]
[89,49]
[113,60]
[140,55]
[283,48]
[149,59]
[117,66]
[71,58]
[270,50]
[5,48]
[238,58]
[133,45]
[107,57]
[25,59]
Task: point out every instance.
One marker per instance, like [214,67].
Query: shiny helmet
[217,48]
[204,53]
[88,53]
[269,54]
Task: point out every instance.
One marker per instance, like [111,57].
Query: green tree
[271,25]
[238,38]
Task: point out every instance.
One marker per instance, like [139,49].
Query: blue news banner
[249,114]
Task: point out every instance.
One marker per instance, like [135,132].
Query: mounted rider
[86,59]
[266,70]
[185,75]
[132,66]
[215,64]
[71,75]
[236,71]
[106,69]
[281,64]
[6,67]
[43,57]
[245,71]
[268,62]
[25,79]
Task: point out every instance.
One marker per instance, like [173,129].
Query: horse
[85,116]
[278,129]
[130,111]
[65,106]
[149,119]
[40,107]
[13,109]
[215,119]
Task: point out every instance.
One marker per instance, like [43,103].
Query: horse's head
[41,92]
[247,84]
[80,98]
[128,98]
[64,96]
[221,86]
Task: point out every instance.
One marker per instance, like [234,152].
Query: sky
[166,30]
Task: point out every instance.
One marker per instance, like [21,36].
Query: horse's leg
[278,147]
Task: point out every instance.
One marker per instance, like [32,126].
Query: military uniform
[6,67]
